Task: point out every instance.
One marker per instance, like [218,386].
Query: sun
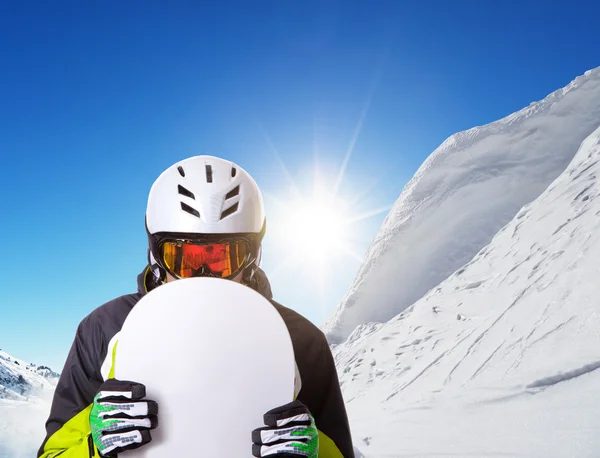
[318,225]
[315,229]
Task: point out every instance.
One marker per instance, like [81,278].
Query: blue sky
[97,98]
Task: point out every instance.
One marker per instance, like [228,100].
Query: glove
[290,432]
[119,419]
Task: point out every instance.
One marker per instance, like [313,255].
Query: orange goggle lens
[186,259]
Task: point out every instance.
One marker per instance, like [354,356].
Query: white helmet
[204,196]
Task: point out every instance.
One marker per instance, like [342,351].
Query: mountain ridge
[502,358]
[20,380]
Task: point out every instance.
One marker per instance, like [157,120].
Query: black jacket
[67,428]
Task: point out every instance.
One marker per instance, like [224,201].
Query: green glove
[290,432]
[120,420]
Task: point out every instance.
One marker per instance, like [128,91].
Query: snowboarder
[183,244]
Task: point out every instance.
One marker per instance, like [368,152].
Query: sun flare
[317,226]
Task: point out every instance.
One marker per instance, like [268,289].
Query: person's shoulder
[300,327]
[108,318]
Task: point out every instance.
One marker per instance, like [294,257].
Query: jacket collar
[146,283]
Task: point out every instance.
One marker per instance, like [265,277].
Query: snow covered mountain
[503,357]
[25,392]
[20,380]
[468,189]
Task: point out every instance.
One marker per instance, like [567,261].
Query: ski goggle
[184,258]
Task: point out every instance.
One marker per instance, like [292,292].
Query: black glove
[119,419]
[290,432]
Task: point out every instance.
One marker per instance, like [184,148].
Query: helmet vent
[233,172]
[181,172]
[192,211]
[209,173]
[230,210]
[234,192]
[185,192]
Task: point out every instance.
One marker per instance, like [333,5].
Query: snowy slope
[503,357]
[22,427]
[469,188]
[25,393]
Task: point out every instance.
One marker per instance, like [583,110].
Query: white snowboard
[215,355]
